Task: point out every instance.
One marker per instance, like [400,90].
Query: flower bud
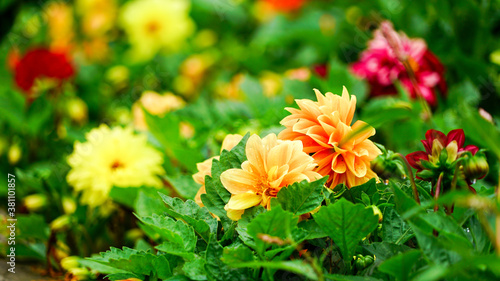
[69,205]
[80,273]
[77,110]
[476,167]
[377,212]
[60,223]
[70,262]
[35,202]
[14,154]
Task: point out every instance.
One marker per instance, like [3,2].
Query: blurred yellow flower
[271,83]
[205,167]
[156,104]
[324,127]
[98,16]
[112,157]
[154,25]
[272,164]
[59,17]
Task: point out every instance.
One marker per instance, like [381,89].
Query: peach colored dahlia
[324,127]
[272,164]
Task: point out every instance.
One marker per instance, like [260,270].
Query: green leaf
[237,253]
[346,223]
[136,262]
[312,227]
[148,203]
[384,251]
[32,227]
[166,131]
[395,229]
[218,270]
[184,185]
[178,236]
[302,197]
[200,219]
[295,266]
[338,277]
[246,219]
[195,269]
[401,266]
[276,223]
[355,193]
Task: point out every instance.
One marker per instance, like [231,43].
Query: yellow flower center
[116,164]
[153,27]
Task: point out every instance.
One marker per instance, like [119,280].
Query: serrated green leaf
[302,197]
[354,194]
[136,262]
[195,269]
[346,223]
[176,233]
[216,269]
[276,222]
[313,229]
[200,219]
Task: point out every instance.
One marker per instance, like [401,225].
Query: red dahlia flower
[382,64]
[441,157]
[285,5]
[41,63]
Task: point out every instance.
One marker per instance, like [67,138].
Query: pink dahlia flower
[382,64]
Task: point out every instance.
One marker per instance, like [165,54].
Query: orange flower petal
[238,181]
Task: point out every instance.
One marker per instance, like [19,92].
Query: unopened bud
[476,167]
[70,262]
[77,110]
[14,154]
[80,273]
[69,205]
[377,212]
[60,223]
[35,202]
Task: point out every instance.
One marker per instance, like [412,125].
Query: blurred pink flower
[381,64]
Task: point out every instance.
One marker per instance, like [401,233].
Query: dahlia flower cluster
[318,140]
[392,56]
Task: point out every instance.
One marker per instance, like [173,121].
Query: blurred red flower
[381,65]
[40,63]
[285,5]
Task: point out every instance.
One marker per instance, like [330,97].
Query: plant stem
[412,179]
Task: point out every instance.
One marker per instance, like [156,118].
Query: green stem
[410,173]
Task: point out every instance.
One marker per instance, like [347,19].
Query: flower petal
[243,201]
[238,181]
[456,135]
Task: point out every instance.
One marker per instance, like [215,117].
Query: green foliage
[302,197]
[135,263]
[346,223]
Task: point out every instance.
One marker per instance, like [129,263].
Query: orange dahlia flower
[271,165]
[343,152]
[205,167]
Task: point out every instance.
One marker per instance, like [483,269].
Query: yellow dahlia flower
[272,164]
[156,104]
[324,127]
[205,167]
[112,157]
[154,25]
